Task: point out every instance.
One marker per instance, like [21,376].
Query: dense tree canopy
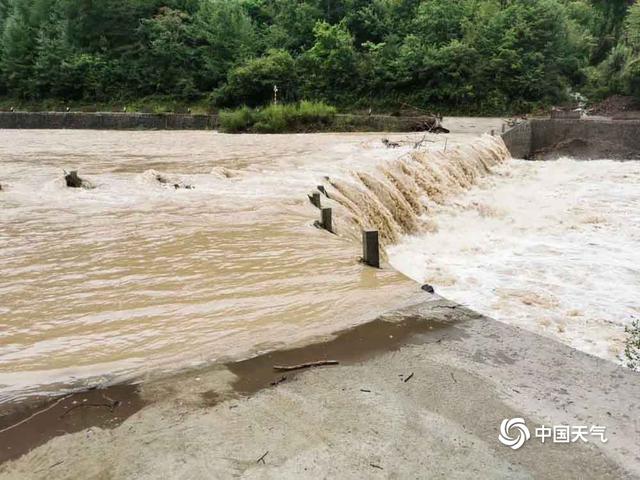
[464,55]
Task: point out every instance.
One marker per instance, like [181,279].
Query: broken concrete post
[315,199]
[73,180]
[428,288]
[323,190]
[493,133]
[326,220]
[504,127]
[371,248]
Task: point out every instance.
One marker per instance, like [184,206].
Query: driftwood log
[289,368]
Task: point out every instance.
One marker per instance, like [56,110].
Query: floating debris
[390,144]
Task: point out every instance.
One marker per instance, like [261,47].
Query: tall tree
[18,50]
[224,36]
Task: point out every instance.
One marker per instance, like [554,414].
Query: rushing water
[135,277]
[549,246]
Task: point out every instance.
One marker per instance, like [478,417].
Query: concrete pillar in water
[72,179]
[493,133]
[504,127]
[371,248]
[325,220]
[315,199]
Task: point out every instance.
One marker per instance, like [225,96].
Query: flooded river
[135,277]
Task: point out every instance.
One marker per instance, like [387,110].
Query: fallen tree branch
[290,368]
[261,459]
[419,143]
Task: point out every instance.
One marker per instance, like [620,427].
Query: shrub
[235,121]
[316,112]
[302,117]
[275,119]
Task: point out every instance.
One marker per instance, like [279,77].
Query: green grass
[299,117]
[236,121]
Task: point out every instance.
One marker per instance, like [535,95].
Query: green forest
[463,56]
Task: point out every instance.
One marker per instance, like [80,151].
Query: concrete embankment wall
[588,138]
[378,123]
[518,140]
[106,121]
[174,121]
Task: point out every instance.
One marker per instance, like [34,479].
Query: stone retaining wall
[587,138]
[518,140]
[174,121]
[106,121]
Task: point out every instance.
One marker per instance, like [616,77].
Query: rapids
[135,277]
[138,277]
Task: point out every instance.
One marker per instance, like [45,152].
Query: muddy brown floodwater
[135,278]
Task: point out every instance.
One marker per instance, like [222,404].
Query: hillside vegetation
[465,56]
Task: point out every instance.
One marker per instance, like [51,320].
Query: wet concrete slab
[28,425]
[420,392]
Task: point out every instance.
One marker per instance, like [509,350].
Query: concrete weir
[586,138]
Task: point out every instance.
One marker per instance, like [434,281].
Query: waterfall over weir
[396,197]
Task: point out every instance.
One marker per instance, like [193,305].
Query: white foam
[549,246]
